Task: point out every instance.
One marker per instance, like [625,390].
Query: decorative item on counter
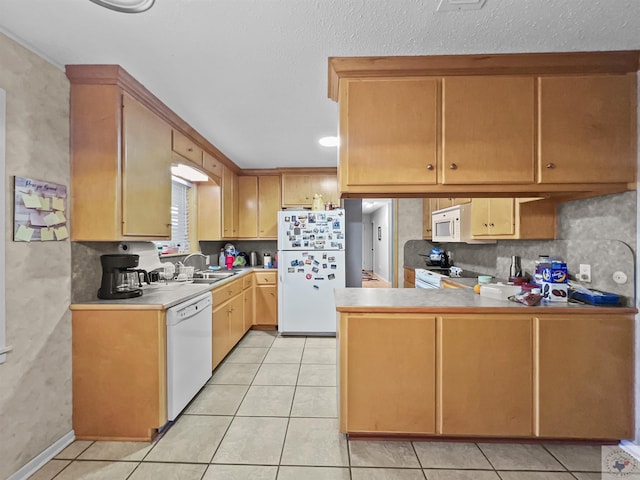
[318,202]
[266,260]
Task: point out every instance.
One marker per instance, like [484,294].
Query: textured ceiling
[251,75]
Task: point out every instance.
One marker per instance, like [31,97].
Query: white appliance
[311,264]
[188,351]
[428,279]
[453,224]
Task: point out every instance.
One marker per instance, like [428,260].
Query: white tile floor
[270,412]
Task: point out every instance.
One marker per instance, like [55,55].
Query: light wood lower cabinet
[485,375]
[119,374]
[228,319]
[585,374]
[510,375]
[248,295]
[266,299]
[387,373]
[409,277]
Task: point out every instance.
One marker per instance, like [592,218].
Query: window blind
[180,221]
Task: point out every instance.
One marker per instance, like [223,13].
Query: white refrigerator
[311,264]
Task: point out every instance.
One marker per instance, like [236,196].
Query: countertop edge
[507,309]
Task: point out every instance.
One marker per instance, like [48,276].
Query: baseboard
[631,448]
[47,454]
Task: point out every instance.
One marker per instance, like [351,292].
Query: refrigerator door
[311,230]
[305,290]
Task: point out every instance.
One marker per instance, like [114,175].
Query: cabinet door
[236,320]
[480,216]
[587,129]
[429,205]
[501,216]
[266,305]
[186,148]
[220,333]
[409,277]
[388,131]
[585,369]
[444,203]
[327,186]
[268,206]
[485,378]
[228,194]
[248,206]
[488,130]
[249,307]
[146,172]
[211,164]
[460,201]
[296,190]
[209,217]
[388,373]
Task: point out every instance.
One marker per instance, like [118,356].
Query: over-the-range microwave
[453,224]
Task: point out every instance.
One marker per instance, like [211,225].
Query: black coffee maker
[120,278]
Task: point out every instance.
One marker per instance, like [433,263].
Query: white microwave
[453,224]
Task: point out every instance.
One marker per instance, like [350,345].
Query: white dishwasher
[188,351]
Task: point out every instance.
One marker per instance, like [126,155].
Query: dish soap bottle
[221,260]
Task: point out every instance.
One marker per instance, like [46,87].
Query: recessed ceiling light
[126,6]
[188,173]
[329,141]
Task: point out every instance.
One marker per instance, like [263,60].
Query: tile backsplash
[599,231]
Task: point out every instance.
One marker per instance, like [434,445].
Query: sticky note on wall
[24,233]
[61,233]
[57,203]
[31,201]
[46,234]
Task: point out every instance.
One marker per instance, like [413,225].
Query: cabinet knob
[491,225]
[189,149]
[453,166]
[485,225]
[551,165]
[429,166]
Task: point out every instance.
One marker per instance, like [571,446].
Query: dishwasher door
[188,351]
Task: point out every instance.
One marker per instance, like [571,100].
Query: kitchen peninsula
[450,363]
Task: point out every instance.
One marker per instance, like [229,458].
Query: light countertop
[160,296]
[448,300]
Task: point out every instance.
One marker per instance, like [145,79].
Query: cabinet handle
[453,166]
[551,165]
[429,166]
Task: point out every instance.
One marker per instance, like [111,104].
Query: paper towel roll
[147,251]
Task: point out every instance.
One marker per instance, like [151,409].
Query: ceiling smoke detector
[457,5]
[126,6]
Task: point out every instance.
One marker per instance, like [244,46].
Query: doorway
[377,243]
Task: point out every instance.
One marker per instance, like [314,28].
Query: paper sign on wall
[39,211]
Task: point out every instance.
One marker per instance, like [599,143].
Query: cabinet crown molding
[612,62]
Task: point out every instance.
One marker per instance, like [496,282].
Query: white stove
[429,278]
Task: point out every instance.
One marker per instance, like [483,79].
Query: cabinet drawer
[265,278]
[222,294]
[211,164]
[185,147]
[247,282]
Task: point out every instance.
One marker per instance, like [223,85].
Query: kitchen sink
[212,277]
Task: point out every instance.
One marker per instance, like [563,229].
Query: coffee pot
[120,277]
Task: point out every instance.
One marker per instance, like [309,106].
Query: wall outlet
[585,273]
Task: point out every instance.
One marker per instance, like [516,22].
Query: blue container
[595,297]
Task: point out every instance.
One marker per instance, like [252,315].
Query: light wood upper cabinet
[486,375]
[212,165]
[388,132]
[209,211]
[146,177]
[184,147]
[429,205]
[298,189]
[488,130]
[268,206]
[229,204]
[587,129]
[585,376]
[120,162]
[248,208]
[492,216]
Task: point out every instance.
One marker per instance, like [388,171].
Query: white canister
[266,260]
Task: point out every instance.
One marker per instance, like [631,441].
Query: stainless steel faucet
[200,264]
